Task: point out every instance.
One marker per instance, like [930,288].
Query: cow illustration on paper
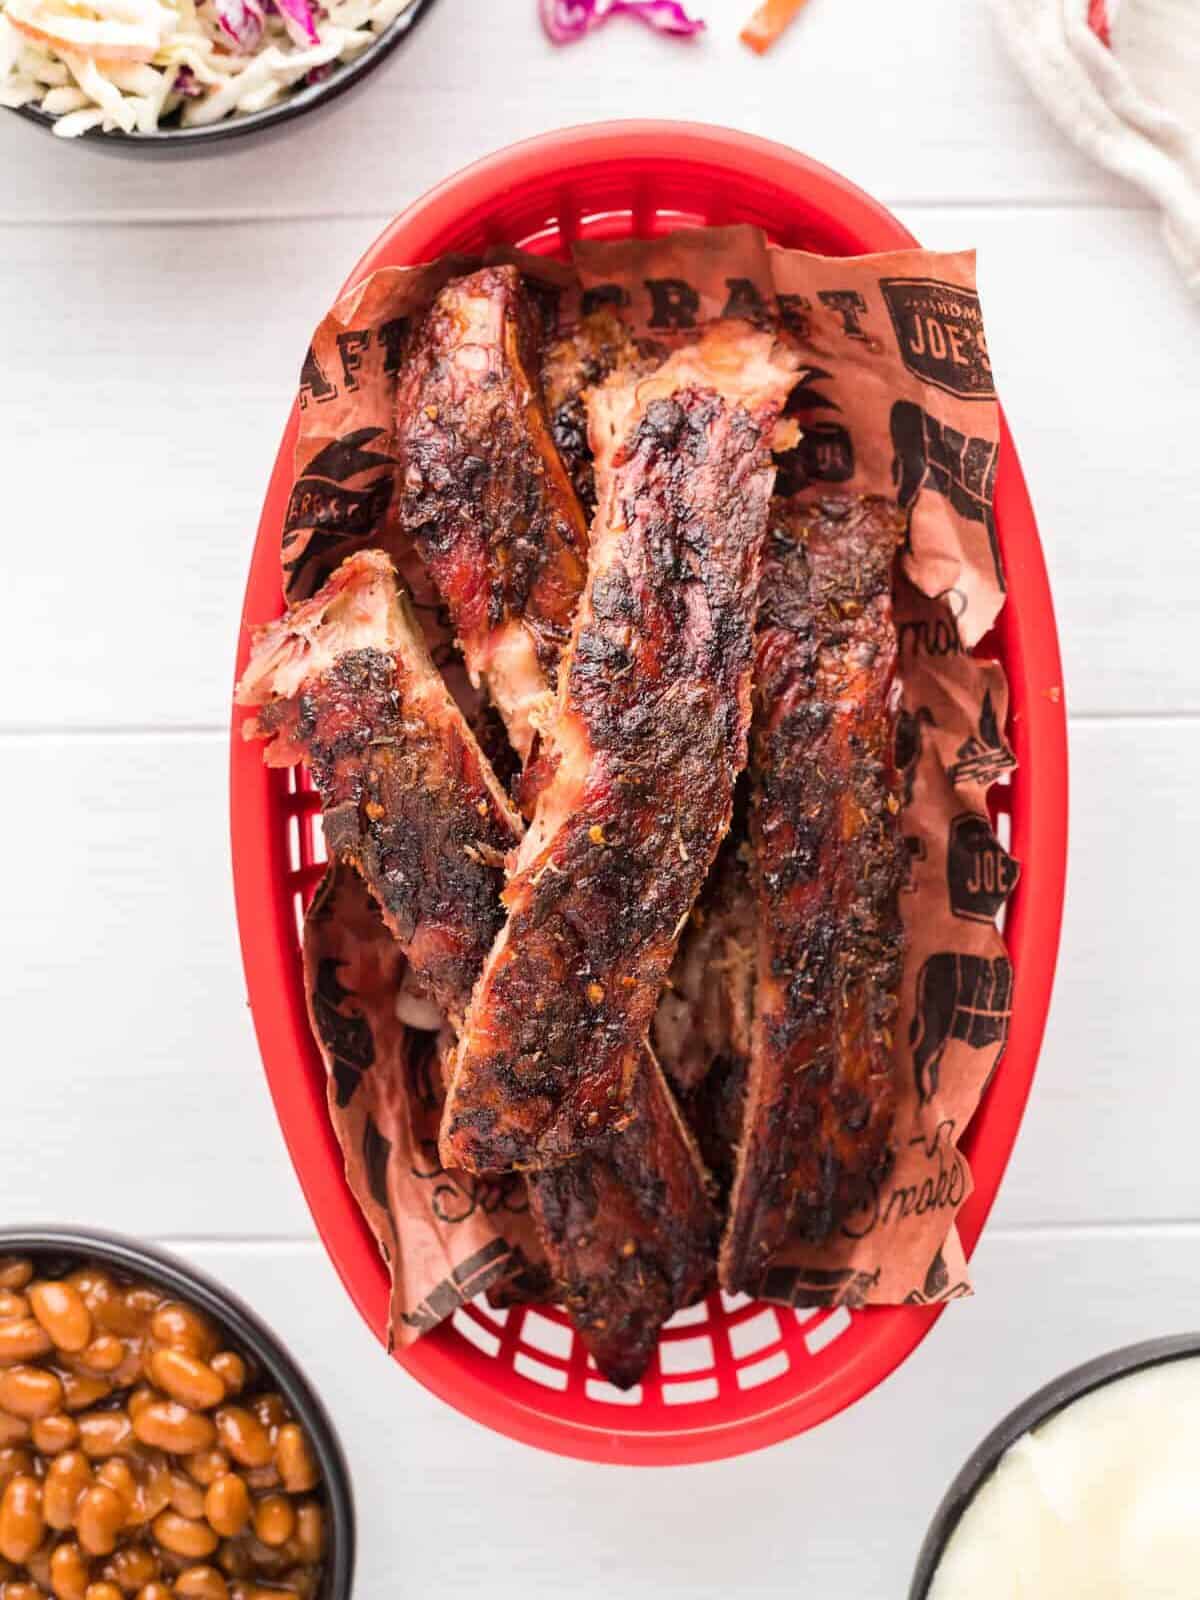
[928,454]
[959,996]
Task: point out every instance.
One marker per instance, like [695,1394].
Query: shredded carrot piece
[768,22]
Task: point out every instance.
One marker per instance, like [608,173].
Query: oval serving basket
[731,1375]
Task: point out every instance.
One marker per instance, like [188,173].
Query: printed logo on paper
[980,872]
[939,329]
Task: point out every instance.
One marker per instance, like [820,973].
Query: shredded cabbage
[129,64]
[568,20]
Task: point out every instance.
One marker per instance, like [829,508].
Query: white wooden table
[152,318]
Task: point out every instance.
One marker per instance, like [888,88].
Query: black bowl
[1039,1408]
[198,141]
[71,1246]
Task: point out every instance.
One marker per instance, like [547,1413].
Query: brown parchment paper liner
[447,1236]
[898,400]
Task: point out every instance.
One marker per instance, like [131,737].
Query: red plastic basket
[730,1375]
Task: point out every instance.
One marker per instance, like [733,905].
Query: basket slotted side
[730,1374]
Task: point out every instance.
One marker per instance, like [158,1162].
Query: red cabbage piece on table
[565,21]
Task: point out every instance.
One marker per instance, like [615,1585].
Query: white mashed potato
[1102,1502]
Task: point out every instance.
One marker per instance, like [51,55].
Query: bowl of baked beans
[157,1442]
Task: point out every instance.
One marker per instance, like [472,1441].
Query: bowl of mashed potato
[1090,1488]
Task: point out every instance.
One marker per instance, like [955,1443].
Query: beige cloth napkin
[1122,80]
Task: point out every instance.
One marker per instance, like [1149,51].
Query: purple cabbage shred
[298,20]
[187,84]
[241,21]
[568,20]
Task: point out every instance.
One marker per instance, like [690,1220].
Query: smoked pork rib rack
[648,737]
[629,1230]
[344,683]
[484,495]
[827,868]
[599,344]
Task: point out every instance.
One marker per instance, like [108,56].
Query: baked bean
[169,1490]
[110,1309]
[105,1433]
[310,1533]
[15,1272]
[233,1559]
[166,1425]
[274,1520]
[186,1497]
[132,1567]
[30,1392]
[67,1477]
[206,1466]
[260,1479]
[201,1583]
[154,1489]
[69,1572]
[80,1392]
[98,1519]
[244,1437]
[184,1536]
[105,1354]
[140,1397]
[13,1430]
[297,1467]
[22,1523]
[267,1560]
[270,1411]
[61,1310]
[231,1370]
[23,1339]
[187,1379]
[55,1433]
[14,1459]
[118,1475]
[184,1328]
[38,1566]
[227,1505]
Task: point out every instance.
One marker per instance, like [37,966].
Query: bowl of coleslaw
[180,75]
